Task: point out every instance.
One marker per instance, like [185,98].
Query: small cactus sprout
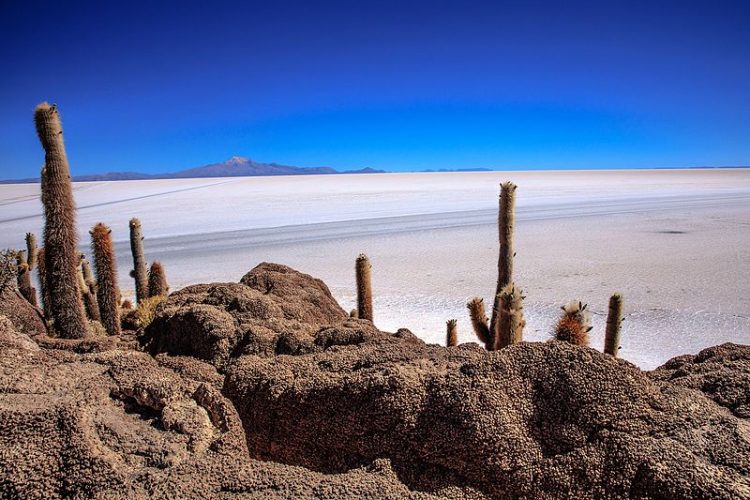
[157,280]
[509,328]
[479,321]
[364,287]
[139,272]
[126,304]
[106,278]
[24,284]
[353,313]
[574,324]
[60,232]
[20,258]
[451,333]
[505,223]
[31,250]
[614,321]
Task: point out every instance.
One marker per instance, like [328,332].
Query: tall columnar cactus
[24,284]
[364,287]
[60,235]
[41,270]
[479,322]
[31,250]
[574,324]
[451,333]
[140,271]
[107,294]
[505,223]
[88,291]
[614,321]
[510,324]
[157,280]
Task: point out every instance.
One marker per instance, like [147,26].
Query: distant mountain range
[236,166]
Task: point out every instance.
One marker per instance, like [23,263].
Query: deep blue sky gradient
[402,85]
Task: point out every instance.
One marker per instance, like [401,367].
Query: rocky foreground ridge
[265,388]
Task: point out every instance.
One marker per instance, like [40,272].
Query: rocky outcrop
[542,420]
[721,372]
[25,317]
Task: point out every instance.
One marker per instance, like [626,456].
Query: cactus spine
[479,321]
[41,270]
[364,287]
[157,280]
[451,333]
[505,222]
[24,284]
[31,250]
[509,327]
[60,235]
[140,273]
[614,321]
[574,325]
[108,294]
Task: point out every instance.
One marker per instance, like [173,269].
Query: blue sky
[155,87]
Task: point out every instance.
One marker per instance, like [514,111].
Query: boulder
[25,317]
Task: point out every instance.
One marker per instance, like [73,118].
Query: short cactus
[88,291]
[41,270]
[353,314]
[364,287]
[479,321]
[614,321]
[140,272]
[31,250]
[157,280]
[24,284]
[108,294]
[574,324]
[510,324]
[451,333]
[60,233]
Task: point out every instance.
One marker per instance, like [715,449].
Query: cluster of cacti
[508,299]
[363,271]
[107,292]
[574,325]
[140,269]
[157,280]
[451,333]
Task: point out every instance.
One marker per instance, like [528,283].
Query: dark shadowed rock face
[534,420]
[721,372]
[25,317]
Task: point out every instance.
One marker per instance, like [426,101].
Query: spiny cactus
[41,270]
[60,234]
[505,223]
[107,292]
[451,333]
[353,313]
[157,280]
[88,291]
[510,323]
[24,284]
[479,321]
[574,324]
[364,287]
[140,272]
[31,250]
[614,321]
[126,304]
[20,257]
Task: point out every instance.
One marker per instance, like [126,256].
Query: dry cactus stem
[364,287]
[60,233]
[479,321]
[505,223]
[614,322]
[140,271]
[107,292]
[157,280]
[31,250]
[451,334]
[24,284]
[41,270]
[574,324]
[511,322]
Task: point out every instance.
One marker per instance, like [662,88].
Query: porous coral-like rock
[25,317]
